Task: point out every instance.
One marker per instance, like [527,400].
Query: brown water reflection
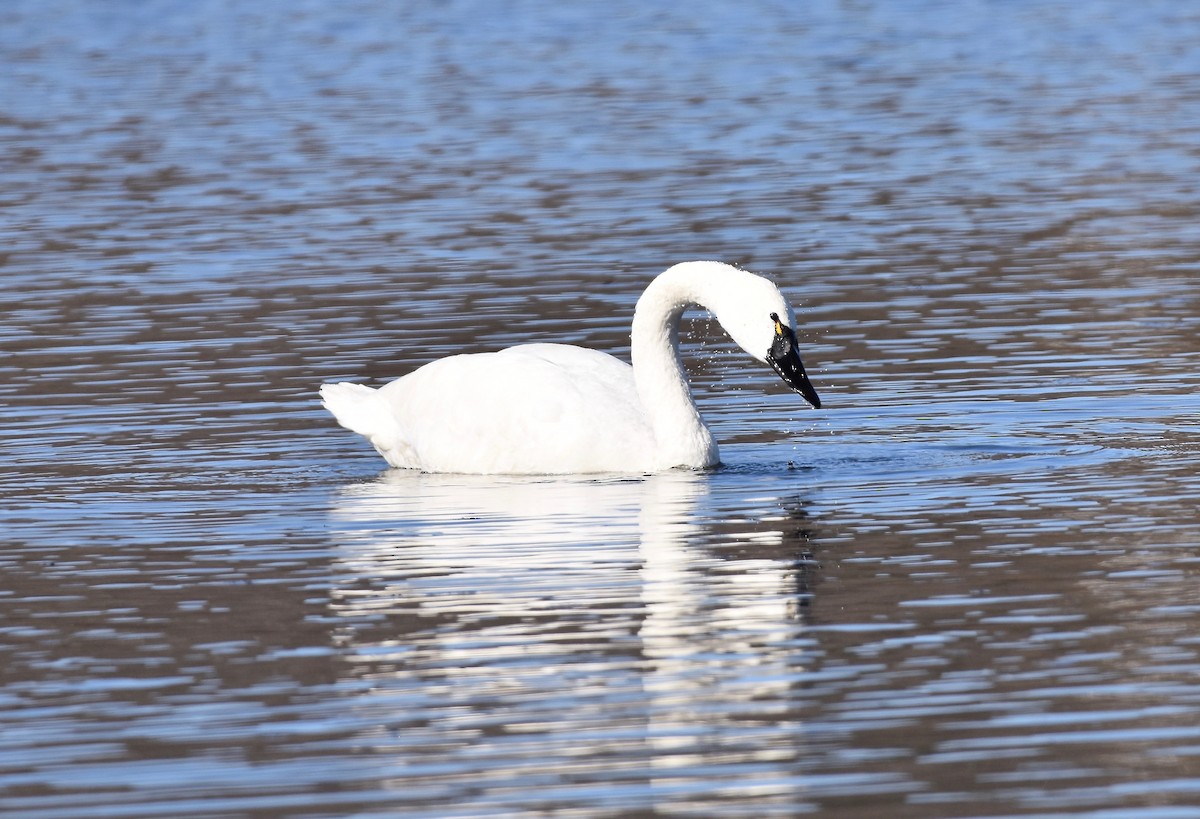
[966,588]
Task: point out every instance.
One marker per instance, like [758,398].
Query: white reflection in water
[583,611]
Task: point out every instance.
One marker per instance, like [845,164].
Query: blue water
[965,587]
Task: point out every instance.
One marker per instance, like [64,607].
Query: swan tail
[361,409]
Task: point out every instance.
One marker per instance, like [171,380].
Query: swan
[557,409]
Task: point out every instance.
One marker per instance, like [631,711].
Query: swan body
[555,408]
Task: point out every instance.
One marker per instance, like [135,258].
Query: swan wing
[535,408]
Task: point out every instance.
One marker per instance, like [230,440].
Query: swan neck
[680,432]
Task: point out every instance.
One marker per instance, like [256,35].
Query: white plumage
[554,408]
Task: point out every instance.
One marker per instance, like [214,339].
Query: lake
[968,586]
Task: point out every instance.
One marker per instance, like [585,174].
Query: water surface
[967,587]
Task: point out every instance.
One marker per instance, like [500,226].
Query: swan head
[760,320]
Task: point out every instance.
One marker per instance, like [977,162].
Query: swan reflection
[612,621]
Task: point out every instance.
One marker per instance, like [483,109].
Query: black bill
[786,361]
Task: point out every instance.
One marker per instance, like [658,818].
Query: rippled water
[968,587]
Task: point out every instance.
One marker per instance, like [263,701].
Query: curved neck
[682,437]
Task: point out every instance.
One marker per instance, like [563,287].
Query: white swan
[554,408]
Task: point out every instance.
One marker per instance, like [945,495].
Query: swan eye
[784,343]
